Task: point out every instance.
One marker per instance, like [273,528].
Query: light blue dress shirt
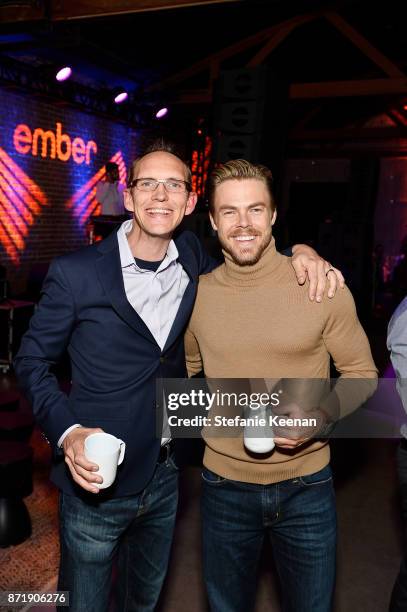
[155,296]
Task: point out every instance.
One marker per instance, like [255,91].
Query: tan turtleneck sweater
[257,322]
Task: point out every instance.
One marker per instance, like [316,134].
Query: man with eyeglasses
[120,307]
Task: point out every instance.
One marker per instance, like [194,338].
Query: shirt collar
[126,256]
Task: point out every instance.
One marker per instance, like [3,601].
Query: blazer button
[162,359]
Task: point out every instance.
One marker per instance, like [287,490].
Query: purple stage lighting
[121,97]
[63,74]
[161,113]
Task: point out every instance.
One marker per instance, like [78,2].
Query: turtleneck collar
[269,261]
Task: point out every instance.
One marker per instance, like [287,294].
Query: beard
[247,257]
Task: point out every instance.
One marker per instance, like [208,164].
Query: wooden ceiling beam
[194,96]
[12,14]
[309,116]
[338,89]
[325,89]
[376,56]
[348,134]
[275,35]
[214,58]
[398,117]
[280,35]
[228,52]
[84,9]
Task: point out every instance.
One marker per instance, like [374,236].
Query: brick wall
[51,158]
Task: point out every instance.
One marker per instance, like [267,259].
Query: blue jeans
[298,515]
[138,528]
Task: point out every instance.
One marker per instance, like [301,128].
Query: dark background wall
[47,194]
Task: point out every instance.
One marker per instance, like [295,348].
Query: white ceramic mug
[258,438]
[107,452]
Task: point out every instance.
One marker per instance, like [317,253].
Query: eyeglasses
[171,185]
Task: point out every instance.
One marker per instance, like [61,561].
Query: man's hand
[81,469]
[290,437]
[307,262]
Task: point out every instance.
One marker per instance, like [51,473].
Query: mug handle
[122,451]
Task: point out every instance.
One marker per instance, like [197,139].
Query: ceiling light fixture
[63,74]
[161,113]
[121,97]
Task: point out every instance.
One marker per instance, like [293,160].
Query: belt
[165,451]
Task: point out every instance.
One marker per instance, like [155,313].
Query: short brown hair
[240,169]
[159,145]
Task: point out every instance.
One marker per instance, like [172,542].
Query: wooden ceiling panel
[60,10]
[28,12]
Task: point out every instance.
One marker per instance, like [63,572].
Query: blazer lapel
[110,275]
[185,308]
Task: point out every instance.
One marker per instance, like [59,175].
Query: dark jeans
[298,515]
[139,528]
[398,602]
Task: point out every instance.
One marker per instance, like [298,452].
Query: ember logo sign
[51,161]
[53,144]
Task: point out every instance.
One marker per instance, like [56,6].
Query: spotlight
[161,113]
[121,97]
[63,74]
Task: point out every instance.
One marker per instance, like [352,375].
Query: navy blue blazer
[115,359]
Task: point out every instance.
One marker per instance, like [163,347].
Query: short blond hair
[240,169]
